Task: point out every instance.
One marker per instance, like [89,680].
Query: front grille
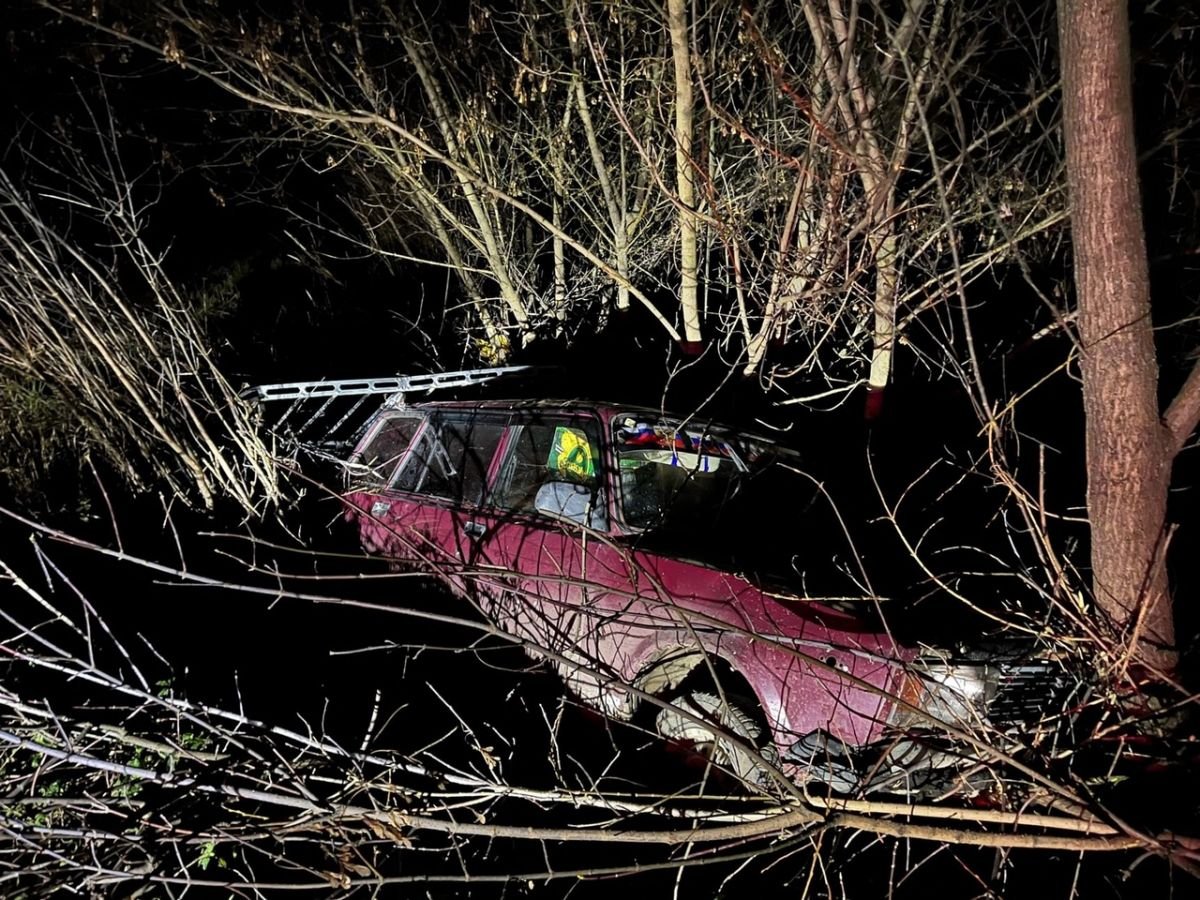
[1028,692]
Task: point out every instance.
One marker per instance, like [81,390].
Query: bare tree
[825,186]
[91,321]
[685,178]
[1130,445]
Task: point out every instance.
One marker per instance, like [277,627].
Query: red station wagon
[647,558]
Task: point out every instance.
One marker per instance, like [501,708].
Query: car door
[370,469]
[460,456]
[424,516]
[552,533]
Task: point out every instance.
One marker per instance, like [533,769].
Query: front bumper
[936,696]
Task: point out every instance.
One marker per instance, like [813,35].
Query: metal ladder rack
[349,419]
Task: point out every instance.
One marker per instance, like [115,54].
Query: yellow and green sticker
[571,453]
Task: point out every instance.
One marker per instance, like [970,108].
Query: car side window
[451,459]
[564,452]
[377,460]
[671,473]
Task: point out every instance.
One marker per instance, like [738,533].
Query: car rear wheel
[710,738]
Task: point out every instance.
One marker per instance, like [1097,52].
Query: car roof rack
[330,423]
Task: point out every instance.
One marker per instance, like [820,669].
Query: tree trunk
[685,176]
[497,260]
[1129,451]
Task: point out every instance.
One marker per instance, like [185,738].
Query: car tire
[727,718]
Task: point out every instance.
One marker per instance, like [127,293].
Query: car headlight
[957,695]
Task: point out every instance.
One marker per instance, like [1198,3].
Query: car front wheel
[710,737]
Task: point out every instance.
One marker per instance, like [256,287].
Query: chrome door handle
[475,529]
[379,507]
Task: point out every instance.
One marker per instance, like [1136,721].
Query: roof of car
[604,408]
[546,404]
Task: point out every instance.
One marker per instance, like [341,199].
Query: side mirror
[566,500]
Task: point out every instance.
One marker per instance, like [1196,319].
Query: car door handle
[475,529]
[379,507]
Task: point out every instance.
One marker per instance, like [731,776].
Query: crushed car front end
[947,717]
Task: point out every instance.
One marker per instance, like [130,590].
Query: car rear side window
[669,473]
[380,456]
[564,450]
[451,459]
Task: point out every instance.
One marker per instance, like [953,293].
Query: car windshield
[714,496]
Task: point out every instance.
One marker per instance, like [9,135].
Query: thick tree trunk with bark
[1129,449]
